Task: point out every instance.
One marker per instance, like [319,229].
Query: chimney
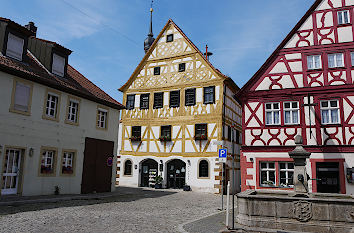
[30,26]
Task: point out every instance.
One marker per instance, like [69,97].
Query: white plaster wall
[33,132]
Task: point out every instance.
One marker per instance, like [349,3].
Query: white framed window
[68,162]
[286,173]
[22,97]
[73,109]
[58,65]
[272,113]
[14,47]
[47,162]
[330,111]
[352,58]
[343,17]
[52,105]
[291,113]
[335,60]
[268,174]
[102,118]
[314,62]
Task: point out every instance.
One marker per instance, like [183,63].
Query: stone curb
[182,230]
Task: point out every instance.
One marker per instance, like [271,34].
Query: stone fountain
[298,210]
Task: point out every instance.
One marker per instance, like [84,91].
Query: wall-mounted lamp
[135,166]
[189,162]
[30,153]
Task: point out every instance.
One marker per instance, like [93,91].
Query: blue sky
[106,36]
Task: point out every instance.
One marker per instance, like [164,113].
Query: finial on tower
[150,39]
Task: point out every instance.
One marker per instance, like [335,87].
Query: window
[272,113]
[58,65]
[229,133]
[190,97]
[47,162]
[73,111]
[128,168]
[169,38]
[157,70]
[330,111]
[314,62]
[343,17]
[352,57]
[144,101]
[268,174]
[201,132]
[158,100]
[335,60]
[174,99]
[14,47]
[237,137]
[68,163]
[21,97]
[130,101]
[165,133]
[181,67]
[209,95]
[203,169]
[286,172]
[52,106]
[136,133]
[291,113]
[102,118]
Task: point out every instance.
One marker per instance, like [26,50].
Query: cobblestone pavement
[131,210]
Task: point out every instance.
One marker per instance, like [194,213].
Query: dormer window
[58,65]
[14,47]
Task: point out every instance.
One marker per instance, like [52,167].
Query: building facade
[305,88]
[178,107]
[58,131]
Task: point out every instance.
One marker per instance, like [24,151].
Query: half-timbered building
[178,106]
[304,88]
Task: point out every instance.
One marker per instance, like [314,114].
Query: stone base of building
[318,213]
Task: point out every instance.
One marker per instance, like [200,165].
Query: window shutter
[22,95]
[14,47]
[58,65]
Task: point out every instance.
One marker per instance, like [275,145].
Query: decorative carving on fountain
[302,211]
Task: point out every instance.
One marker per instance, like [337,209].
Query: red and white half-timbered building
[306,87]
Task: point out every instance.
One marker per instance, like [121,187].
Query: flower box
[135,138]
[67,170]
[165,138]
[46,169]
[201,137]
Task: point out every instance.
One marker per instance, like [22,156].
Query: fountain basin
[284,210]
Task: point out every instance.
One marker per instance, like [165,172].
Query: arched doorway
[176,174]
[148,173]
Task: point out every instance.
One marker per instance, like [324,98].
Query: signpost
[222,159]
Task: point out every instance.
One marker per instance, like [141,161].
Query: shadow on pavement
[121,194]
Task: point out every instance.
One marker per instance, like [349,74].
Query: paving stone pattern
[131,210]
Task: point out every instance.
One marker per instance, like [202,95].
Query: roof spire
[150,39]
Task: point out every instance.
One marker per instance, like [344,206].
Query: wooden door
[96,174]
[11,170]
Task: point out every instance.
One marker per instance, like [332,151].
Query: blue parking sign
[222,153]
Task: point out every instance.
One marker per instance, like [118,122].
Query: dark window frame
[136,133]
[128,172]
[169,38]
[133,101]
[187,93]
[213,94]
[157,70]
[203,169]
[229,132]
[175,103]
[158,103]
[143,103]
[163,135]
[201,131]
[181,67]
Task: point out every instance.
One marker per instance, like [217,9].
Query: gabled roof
[74,83]
[56,45]
[273,56]
[152,47]
[17,26]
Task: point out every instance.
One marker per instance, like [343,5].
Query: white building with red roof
[58,130]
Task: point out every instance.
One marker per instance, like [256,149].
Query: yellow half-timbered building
[179,110]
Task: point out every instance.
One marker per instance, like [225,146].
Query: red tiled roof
[74,83]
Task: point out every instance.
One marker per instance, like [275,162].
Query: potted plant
[201,137]
[165,138]
[158,182]
[135,138]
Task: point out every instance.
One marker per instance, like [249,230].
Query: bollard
[227,204]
